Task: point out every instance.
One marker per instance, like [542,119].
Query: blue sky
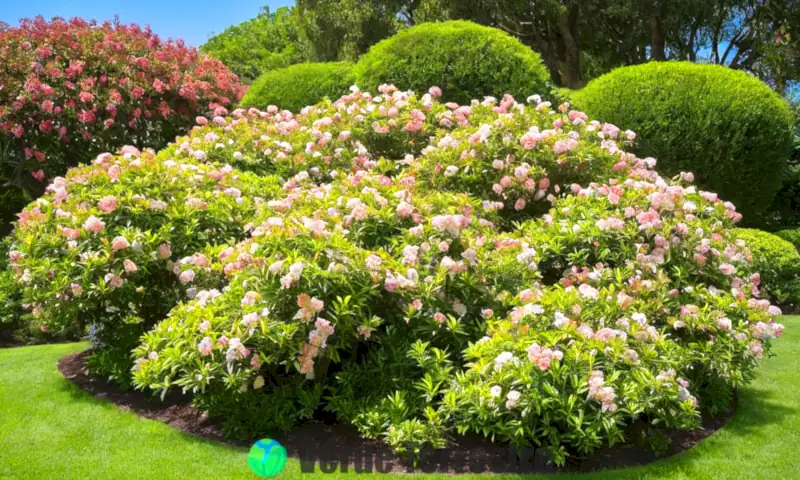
[192,20]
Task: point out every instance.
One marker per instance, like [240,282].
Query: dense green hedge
[295,87]
[778,262]
[728,128]
[791,236]
[464,59]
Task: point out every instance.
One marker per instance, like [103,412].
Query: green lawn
[49,429]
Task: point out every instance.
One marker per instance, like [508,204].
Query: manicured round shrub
[791,236]
[73,89]
[98,249]
[519,273]
[727,127]
[294,87]
[464,59]
[778,262]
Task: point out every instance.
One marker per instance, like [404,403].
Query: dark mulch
[326,448]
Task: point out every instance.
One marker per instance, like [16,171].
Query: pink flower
[94,224]
[727,269]
[187,277]
[119,243]
[439,318]
[130,267]
[201,120]
[114,281]
[164,250]
[435,91]
[71,233]
[205,346]
[404,209]
[107,204]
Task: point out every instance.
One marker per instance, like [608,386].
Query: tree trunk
[570,65]
[658,50]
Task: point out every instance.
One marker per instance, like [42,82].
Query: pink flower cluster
[600,392]
[543,357]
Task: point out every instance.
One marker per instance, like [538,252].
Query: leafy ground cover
[50,429]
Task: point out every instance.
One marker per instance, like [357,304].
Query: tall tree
[269,41]
[344,29]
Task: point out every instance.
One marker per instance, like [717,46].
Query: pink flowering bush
[99,248]
[73,89]
[417,269]
[514,273]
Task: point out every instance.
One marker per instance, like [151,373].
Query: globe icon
[267,457]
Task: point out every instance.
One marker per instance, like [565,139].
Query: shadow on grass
[759,407]
[78,395]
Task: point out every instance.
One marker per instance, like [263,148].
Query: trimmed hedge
[791,236]
[464,59]
[727,127]
[778,262]
[295,87]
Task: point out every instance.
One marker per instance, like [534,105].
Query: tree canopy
[578,39]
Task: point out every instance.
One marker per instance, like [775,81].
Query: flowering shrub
[514,272]
[778,262]
[98,248]
[73,89]
[465,59]
[10,308]
[732,130]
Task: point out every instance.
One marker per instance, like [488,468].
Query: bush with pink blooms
[73,89]
[514,272]
[99,248]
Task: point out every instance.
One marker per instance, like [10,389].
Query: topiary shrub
[98,250]
[727,127]
[72,89]
[518,273]
[464,59]
[778,262]
[294,87]
[791,236]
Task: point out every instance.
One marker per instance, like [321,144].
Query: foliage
[785,209]
[99,247]
[728,128]
[73,89]
[791,236]
[516,274]
[778,261]
[344,29]
[464,59]
[294,87]
[270,41]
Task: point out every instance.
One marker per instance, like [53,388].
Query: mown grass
[49,429]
